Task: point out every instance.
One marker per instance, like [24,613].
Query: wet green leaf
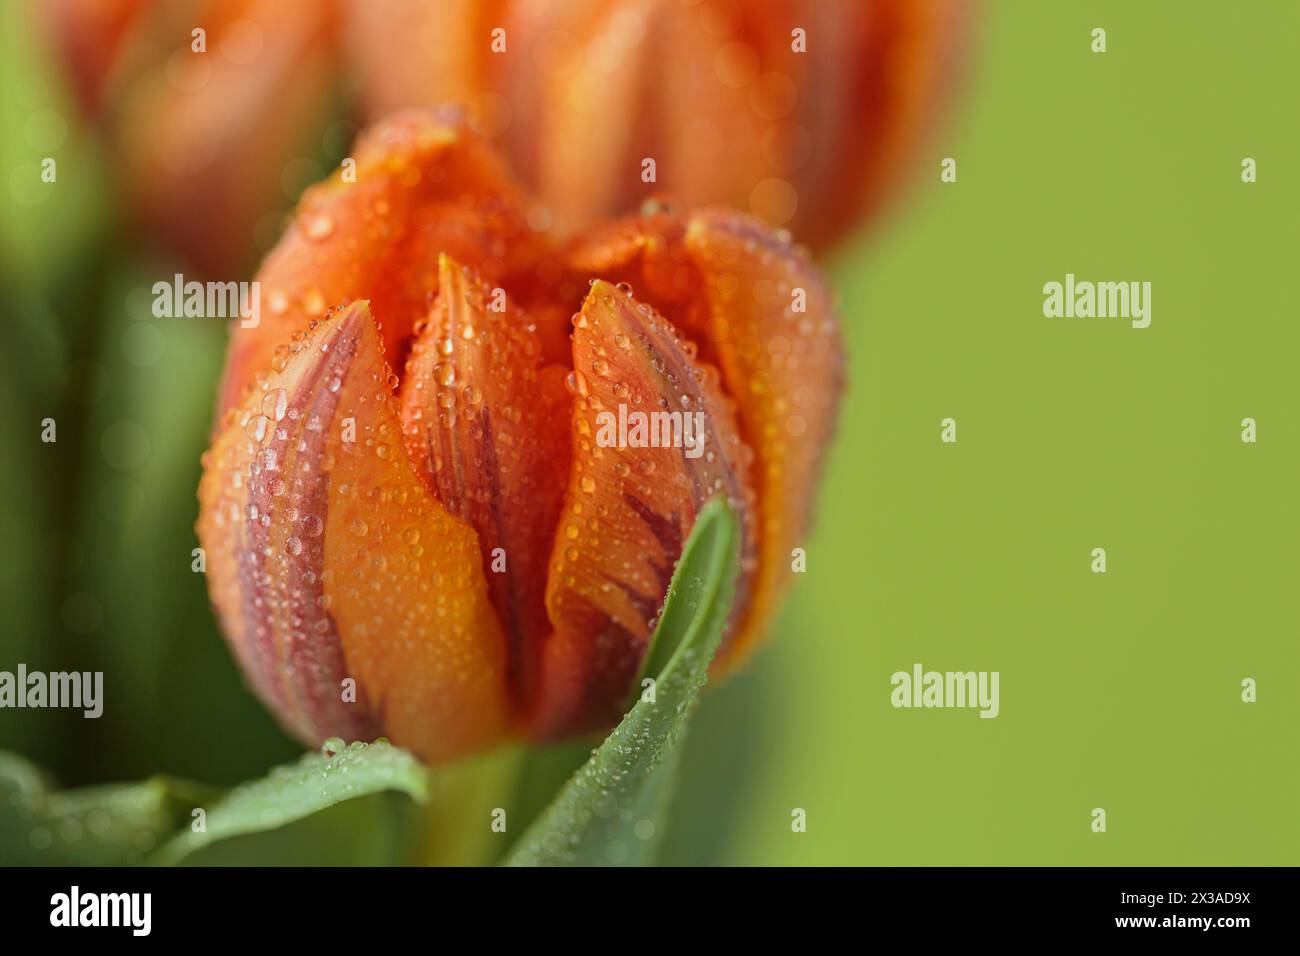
[107,825]
[613,810]
[295,791]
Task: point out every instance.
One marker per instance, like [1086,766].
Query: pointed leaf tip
[612,809]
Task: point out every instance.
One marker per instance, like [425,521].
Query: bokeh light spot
[45,130]
[736,64]
[125,446]
[142,343]
[26,186]
[773,96]
[490,115]
[774,201]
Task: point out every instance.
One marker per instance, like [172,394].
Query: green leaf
[304,813]
[107,825]
[379,829]
[297,790]
[612,810]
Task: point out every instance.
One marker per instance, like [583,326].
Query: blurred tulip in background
[801,113]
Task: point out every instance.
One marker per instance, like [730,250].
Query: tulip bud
[482,544]
[803,112]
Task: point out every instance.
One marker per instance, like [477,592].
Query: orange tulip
[804,112]
[207,142]
[471,551]
[90,35]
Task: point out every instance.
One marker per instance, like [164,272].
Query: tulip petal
[424,185]
[421,54]
[803,112]
[259,492]
[629,508]
[204,137]
[89,34]
[729,282]
[487,425]
[648,252]
[773,329]
[328,559]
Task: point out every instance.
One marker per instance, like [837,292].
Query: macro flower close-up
[650,434]
[458,462]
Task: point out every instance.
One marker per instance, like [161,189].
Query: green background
[1119,691]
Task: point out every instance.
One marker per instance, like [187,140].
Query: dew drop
[318,227]
[258,427]
[275,403]
[576,383]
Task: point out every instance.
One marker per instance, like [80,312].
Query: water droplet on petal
[318,227]
[576,383]
[275,403]
[258,427]
[445,373]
